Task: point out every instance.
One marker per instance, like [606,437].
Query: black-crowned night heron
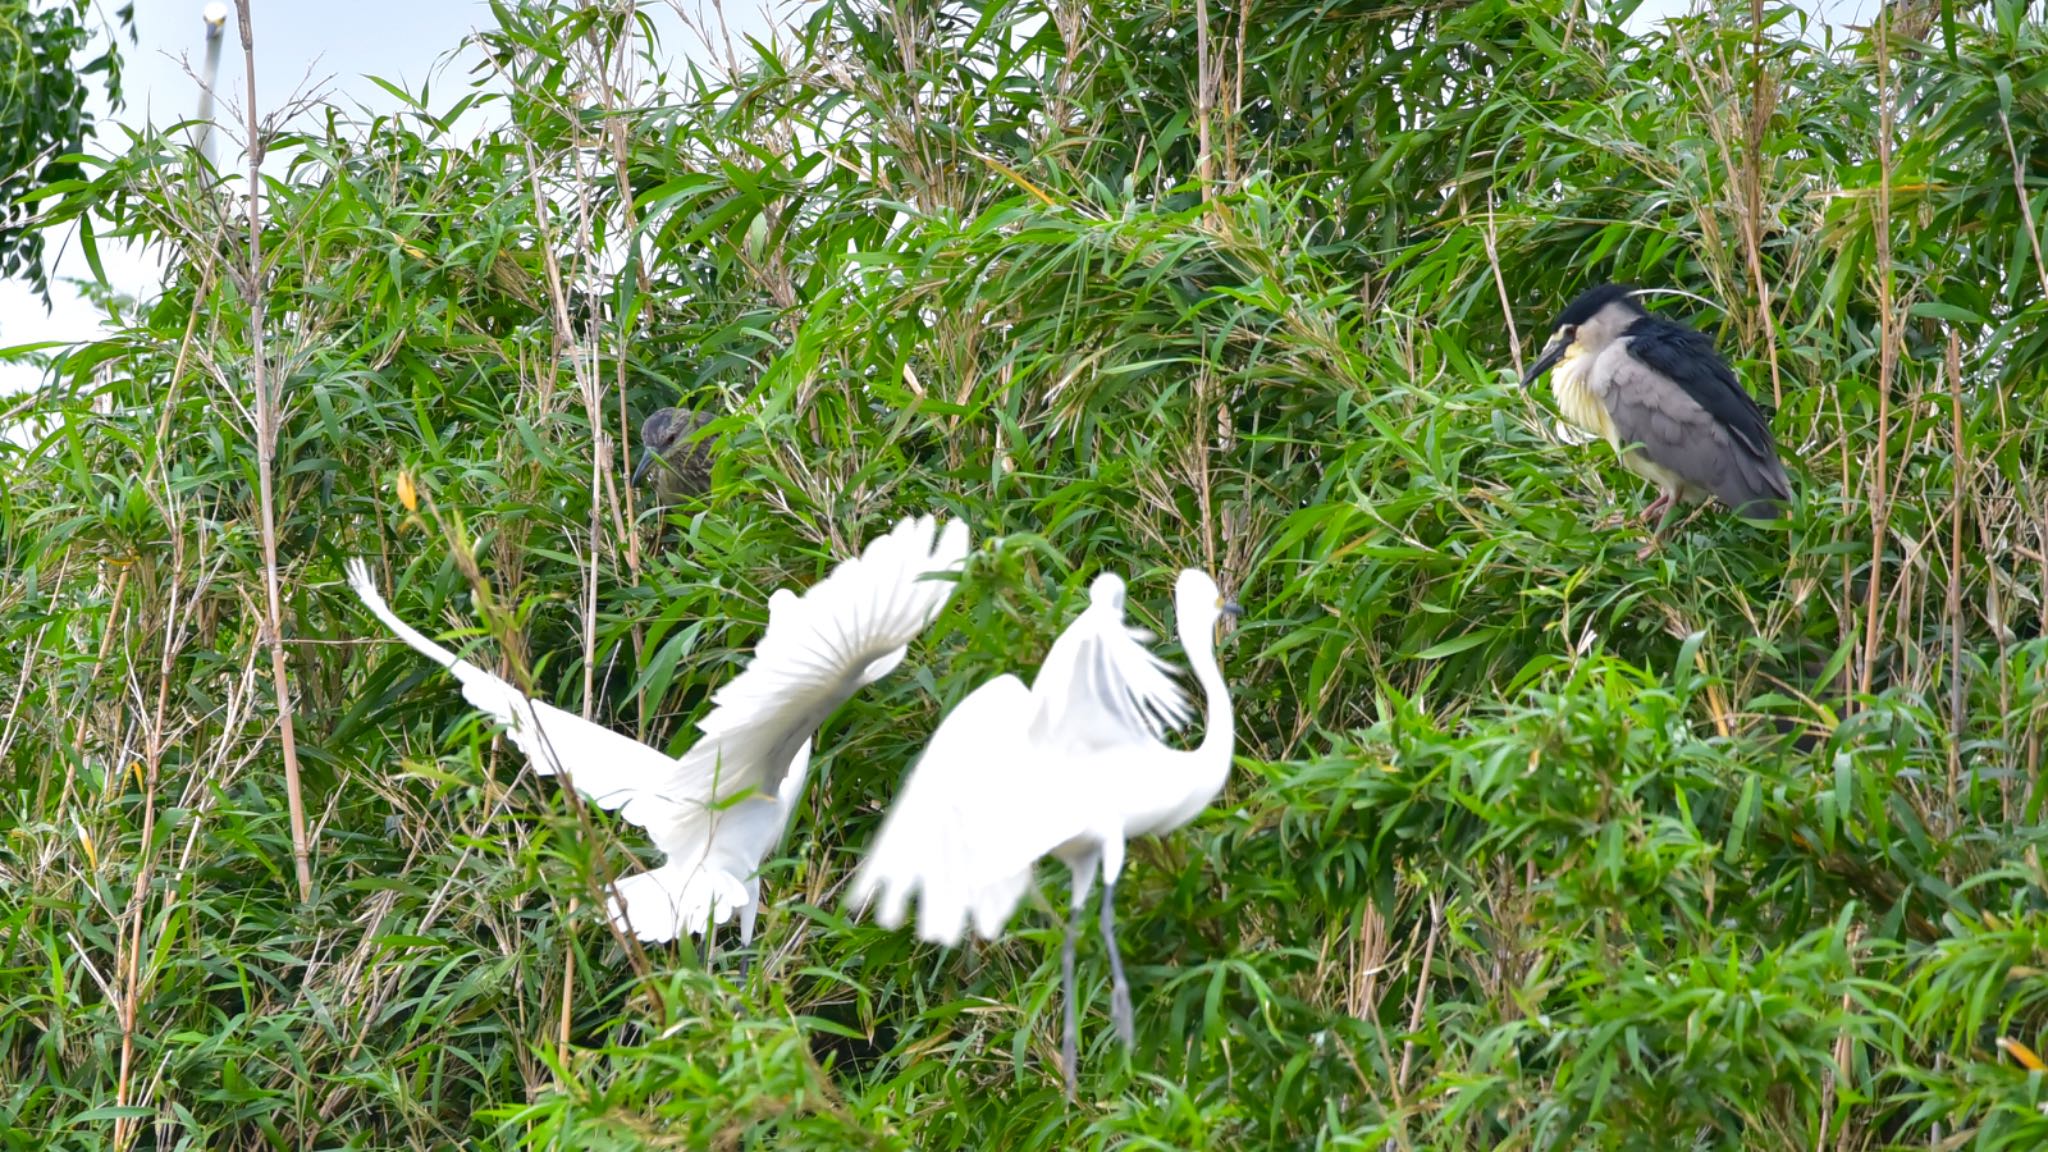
[681,465]
[1665,399]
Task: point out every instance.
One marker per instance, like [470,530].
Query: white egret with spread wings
[1073,767]
[717,810]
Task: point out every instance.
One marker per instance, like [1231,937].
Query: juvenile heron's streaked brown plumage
[670,450]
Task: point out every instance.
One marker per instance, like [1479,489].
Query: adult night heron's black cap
[670,449]
[1659,393]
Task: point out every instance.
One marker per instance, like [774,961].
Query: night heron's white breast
[1581,407]
[1585,406]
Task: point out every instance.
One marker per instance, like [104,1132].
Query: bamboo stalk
[266,455]
[1205,100]
[1887,356]
[1958,720]
[1436,923]
[127,1128]
[1753,192]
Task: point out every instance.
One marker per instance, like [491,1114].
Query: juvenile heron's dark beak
[645,462]
[1552,353]
[1231,608]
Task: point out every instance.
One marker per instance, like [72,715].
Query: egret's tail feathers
[660,905]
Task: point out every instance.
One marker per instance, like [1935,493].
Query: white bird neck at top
[1159,788]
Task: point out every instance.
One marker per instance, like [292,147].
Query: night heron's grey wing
[1678,402]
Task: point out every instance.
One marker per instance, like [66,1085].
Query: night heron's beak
[646,461]
[1552,353]
[1231,608]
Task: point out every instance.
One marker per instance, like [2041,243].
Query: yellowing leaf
[2022,1053]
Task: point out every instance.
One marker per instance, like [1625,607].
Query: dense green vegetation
[1530,844]
[49,63]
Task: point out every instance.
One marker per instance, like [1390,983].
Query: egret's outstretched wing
[556,741]
[721,807]
[949,839]
[684,895]
[846,631]
[1100,687]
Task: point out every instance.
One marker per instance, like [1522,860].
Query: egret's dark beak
[640,467]
[1552,353]
[1231,608]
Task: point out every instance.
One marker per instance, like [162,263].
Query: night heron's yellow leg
[1660,510]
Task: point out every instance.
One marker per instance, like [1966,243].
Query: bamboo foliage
[1530,844]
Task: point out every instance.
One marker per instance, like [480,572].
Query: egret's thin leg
[1119,991]
[1070,1043]
[747,914]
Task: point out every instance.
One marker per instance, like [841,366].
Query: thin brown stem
[1887,359]
[1500,284]
[1436,923]
[1205,100]
[1958,464]
[2019,186]
[1762,103]
[266,455]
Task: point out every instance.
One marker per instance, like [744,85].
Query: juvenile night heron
[1071,767]
[716,811]
[1665,399]
[680,464]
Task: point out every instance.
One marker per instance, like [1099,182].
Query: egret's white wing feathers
[602,764]
[1100,687]
[553,739]
[963,834]
[719,809]
[1007,778]
[819,650]
[992,791]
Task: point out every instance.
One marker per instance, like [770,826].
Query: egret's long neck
[1218,737]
